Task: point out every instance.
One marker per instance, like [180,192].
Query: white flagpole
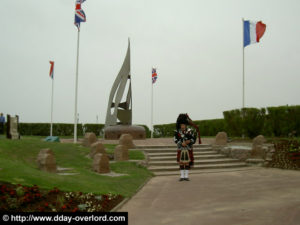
[76,91]
[51,126]
[243,66]
[151,108]
[243,133]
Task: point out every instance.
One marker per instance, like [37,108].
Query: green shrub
[63,129]
[206,127]
[253,122]
[164,130]
[95,128]
[233,122]
[210,127]
[43,129]
[281,121]
[247,121]
[148,132]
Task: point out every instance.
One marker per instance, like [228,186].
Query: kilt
[185,158]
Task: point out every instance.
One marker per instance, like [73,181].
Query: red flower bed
[18,198]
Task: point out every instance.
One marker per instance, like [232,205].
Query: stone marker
[46,161]
[89,139]
[97,147]
[259,140]
[221,138]
[126,140]
[12,124]
[101,163]
[121,153]
[258,150]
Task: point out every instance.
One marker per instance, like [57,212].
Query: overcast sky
[195,45]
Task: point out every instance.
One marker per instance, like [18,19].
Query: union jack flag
[79,14]
[51,74]
[154,75]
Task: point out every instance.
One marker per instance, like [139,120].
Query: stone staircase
[162,160]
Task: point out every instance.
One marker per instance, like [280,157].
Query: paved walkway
[264,196]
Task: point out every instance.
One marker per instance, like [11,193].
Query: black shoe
[181,179]
[187,179]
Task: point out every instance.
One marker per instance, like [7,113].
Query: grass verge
[18,166]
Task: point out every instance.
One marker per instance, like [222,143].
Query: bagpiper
[185,137]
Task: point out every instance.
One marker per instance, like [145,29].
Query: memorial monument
[12,131]
[119,112]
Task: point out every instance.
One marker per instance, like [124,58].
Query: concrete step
[196,162]
[196,156]
[162,160]
[198,167]
[175,150]
[174,153]
[215,170]
[168,146]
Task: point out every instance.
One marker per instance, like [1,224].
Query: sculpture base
[115,132]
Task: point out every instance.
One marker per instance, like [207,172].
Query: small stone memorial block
[89,139]
[12,127]
[126,140]
[46,161]
[221,138]
[258,151]
[101,163]
[96,148]
[121,153]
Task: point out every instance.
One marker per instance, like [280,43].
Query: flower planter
[18,198]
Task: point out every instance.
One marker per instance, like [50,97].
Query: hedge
[148,132]
[64,129]
[95,128]
[247,121]
[206,127]
[210,127]
[43,129]
[281,121]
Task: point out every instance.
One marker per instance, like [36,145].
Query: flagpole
[243,106]
[76,90]
[243,65]
[151,108]
[51,126]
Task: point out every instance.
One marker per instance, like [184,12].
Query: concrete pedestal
[115,132]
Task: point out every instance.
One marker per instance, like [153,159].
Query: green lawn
[133,154]
[17,160]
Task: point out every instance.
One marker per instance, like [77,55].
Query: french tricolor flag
[253,31]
